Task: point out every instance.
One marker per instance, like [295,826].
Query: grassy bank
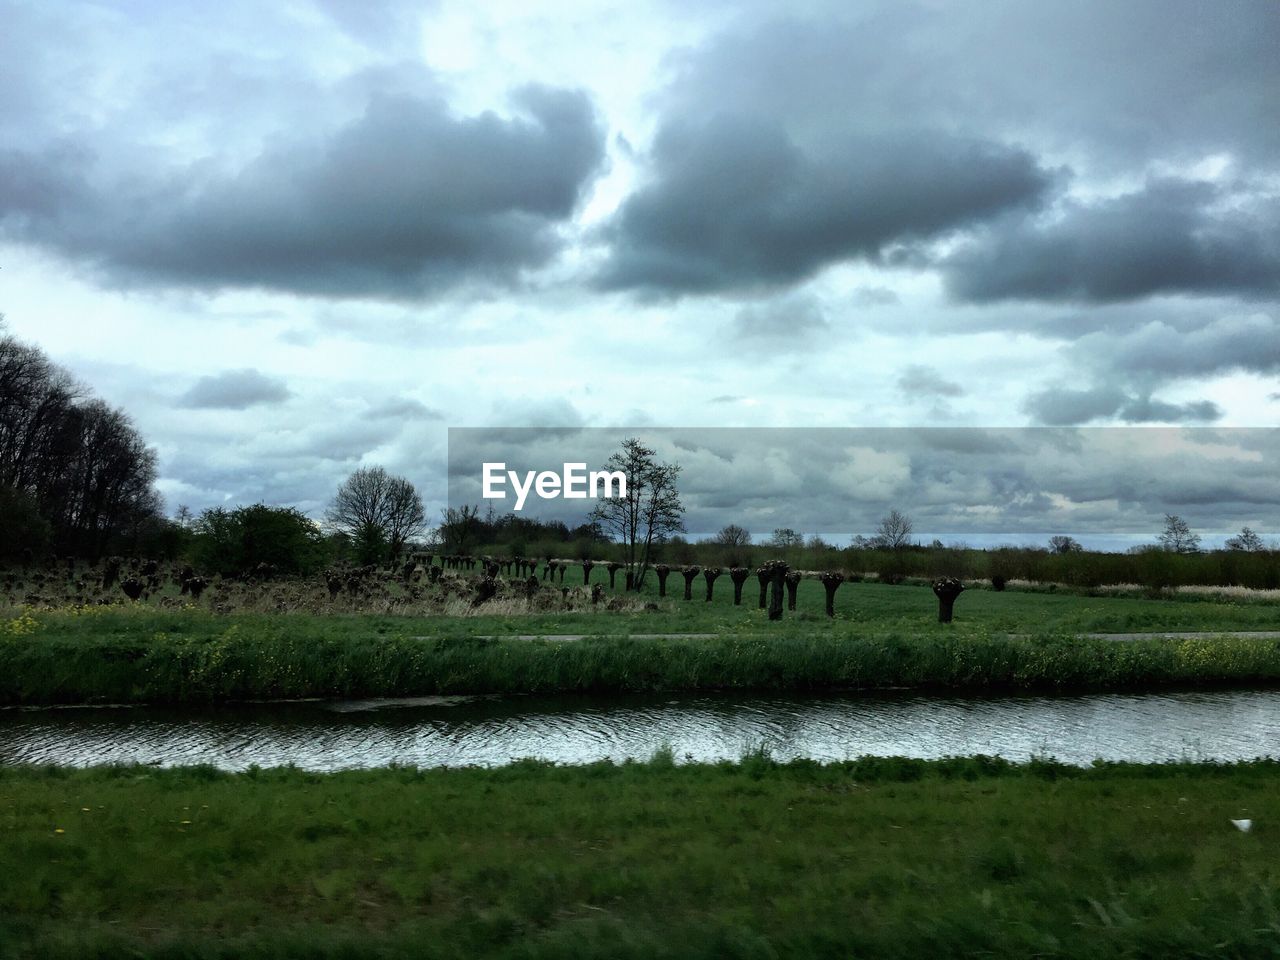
[870,858]
[195,656]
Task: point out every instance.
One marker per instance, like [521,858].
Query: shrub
[232,542]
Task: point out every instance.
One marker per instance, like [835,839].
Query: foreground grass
[874,857]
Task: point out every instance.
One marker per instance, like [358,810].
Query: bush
[234,542]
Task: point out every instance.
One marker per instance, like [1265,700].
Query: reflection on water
[435,731]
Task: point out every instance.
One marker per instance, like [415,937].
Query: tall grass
[202,658]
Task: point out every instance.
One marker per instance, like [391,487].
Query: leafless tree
[650,511]
[784,537]
[80,461]
[732,536]
[1177,536]
[1247,541]
[378,511]
[1064,544]
[459,528]
[894,531]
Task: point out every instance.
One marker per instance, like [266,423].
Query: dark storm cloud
[921,381]
[1063,406]
[404,201]
[1172,236]
[735,204]
[1120,83]
[235,390]
[846,132]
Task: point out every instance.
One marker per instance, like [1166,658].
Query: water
[1229,725]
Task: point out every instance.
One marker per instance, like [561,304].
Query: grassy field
[875,857]
[866,604]
[885,636]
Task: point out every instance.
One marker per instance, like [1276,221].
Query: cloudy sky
[297,237]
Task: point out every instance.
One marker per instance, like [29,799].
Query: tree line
[76,477]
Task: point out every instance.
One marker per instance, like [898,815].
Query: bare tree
[459,528]
[379,512]
[1064,544]
[81,462]
[650,511]
[1177,536]
[732,536]
[894,531]
[784,537]
[1247,541]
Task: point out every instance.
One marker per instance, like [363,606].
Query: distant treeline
[1152,567]
[465,531]
[234,541]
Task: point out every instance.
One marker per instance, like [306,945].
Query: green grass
[905,607]
[269,658]
[884,636]
[875,857]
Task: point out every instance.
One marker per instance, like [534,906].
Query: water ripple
[1222,725]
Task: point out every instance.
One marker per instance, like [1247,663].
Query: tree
[81,461]
[732,536]
[1064,544]
[378,512]
[784,538]
[648,513]
[894,531]
[26,533]
[234,542]
[1177,536]
[460,529]
[1247,540]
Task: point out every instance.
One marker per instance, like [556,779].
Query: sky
[296,238]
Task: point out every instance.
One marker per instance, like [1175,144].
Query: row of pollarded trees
[634,525]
